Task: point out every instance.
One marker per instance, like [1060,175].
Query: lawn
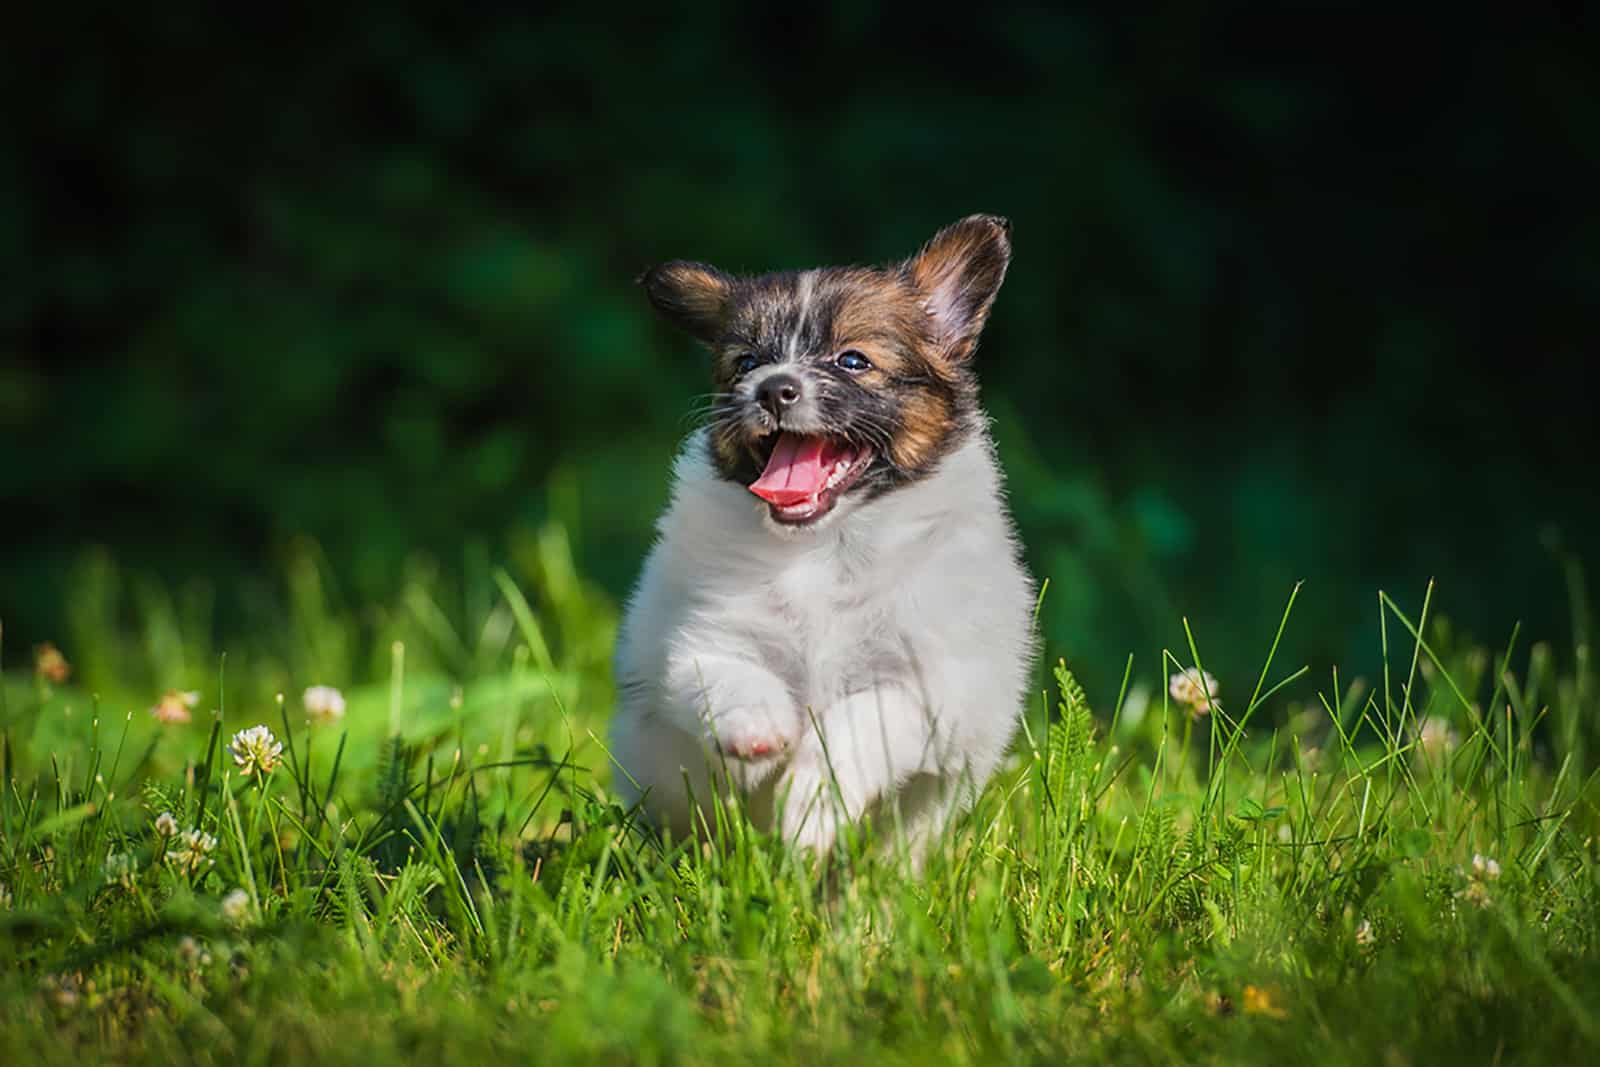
[1396,868]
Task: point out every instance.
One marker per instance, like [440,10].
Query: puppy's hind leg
[856,753]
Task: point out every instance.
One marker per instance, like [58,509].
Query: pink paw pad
[750,749]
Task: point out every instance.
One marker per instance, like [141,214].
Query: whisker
[709,408]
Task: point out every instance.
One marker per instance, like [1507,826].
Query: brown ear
[958,273]
[693,295]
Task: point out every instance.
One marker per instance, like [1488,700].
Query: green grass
[442,878]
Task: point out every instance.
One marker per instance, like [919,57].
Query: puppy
[834,620]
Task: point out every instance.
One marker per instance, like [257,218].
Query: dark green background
[1296,295]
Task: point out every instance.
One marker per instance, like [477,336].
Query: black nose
[778,393]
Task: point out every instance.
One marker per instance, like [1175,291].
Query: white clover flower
[1364,935]
[236,907]
[256,751]
[324,703]
[192,953]
[1484,870]
[121,868]
[166,825]
[1436,738]
[175,706]
[192,852]
[1194,689]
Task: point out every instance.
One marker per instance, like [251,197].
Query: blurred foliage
[1297,294]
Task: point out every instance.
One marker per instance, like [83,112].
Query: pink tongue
[797,471]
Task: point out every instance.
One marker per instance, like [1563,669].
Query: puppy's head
[839,384]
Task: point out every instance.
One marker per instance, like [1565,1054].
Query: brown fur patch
[732,451]
[693,295]
[881,312]
[959,272]
[926,420]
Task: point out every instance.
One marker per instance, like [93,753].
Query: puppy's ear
[693,295]
[958,274]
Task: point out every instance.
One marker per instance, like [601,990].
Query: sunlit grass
[1311,868]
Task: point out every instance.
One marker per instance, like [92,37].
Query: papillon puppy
[834,621]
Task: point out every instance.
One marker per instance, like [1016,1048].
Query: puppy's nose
[778,393]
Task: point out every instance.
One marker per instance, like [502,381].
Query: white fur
[883,654]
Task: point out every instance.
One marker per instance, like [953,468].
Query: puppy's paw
[813,812]
[817,830]
[748,734]
[752,748]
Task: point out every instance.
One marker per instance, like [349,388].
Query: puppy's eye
[745,364]
[853,361]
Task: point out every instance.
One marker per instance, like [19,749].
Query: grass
[440,876]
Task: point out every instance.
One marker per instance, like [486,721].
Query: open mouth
[806,474]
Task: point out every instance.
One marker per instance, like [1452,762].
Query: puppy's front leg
[857,751]
[745,712]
